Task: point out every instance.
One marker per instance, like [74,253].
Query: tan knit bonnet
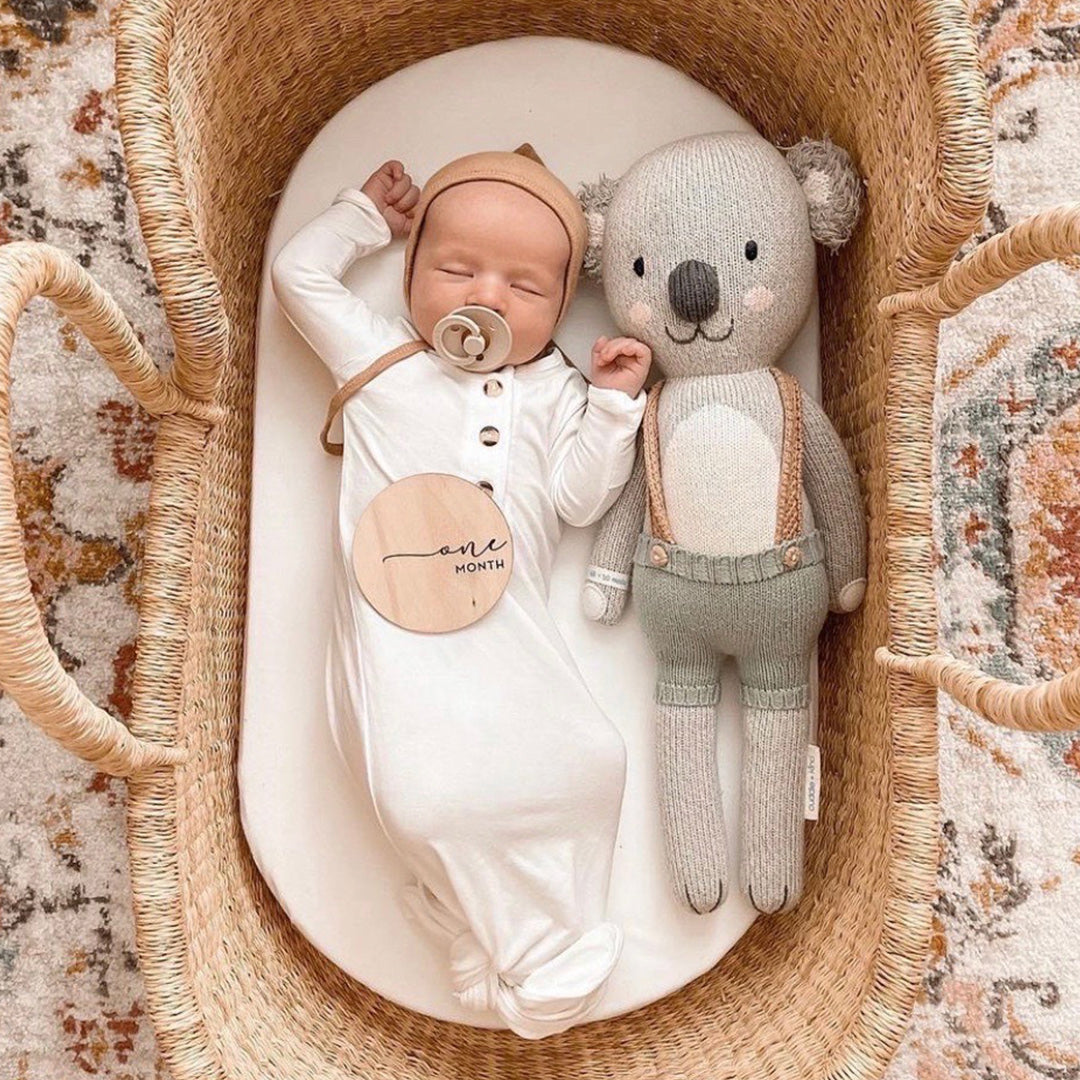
[523,168]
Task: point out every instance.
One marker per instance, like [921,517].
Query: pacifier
[473,337]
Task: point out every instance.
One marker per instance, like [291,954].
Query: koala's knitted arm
[833,490]
[613,549]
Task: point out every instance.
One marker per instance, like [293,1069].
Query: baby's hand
[391,189]
[620,363]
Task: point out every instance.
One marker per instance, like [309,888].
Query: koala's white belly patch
[721,473]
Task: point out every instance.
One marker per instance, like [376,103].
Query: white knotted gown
[493,772]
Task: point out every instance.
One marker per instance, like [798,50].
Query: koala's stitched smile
[698,331]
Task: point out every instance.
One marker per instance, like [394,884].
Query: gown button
[484,485]
[493,388]
[489,436]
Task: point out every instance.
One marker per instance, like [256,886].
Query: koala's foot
[691,806]
[773,782]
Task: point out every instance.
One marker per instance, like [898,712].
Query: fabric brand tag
[599,576]
[813,783]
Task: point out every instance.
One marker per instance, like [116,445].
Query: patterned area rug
[1001,995]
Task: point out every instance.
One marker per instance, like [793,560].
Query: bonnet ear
[595,199]
[832,186]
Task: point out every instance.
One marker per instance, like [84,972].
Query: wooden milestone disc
[432,552]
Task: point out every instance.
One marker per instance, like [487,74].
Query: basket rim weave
[189,288]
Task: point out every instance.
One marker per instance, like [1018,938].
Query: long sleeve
[306,276]
[593,450]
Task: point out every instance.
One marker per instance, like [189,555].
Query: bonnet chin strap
[376,367]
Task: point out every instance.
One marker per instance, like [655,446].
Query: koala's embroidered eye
[639,266]
[751,250]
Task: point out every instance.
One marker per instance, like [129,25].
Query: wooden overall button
[489,436]
[658,555]
[493,388]
[793,556]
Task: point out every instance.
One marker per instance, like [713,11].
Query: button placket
[490,442]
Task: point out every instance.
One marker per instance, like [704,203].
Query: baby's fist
[621,364]
[391,189]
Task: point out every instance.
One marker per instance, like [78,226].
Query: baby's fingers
[399,187]
[614,348]
[408,200]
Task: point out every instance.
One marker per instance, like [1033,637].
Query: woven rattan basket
[216,101]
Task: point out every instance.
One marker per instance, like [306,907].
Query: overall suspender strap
[654,489]
[789,495]
[376,367]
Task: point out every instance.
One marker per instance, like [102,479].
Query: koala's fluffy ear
[595,199]
[832,186]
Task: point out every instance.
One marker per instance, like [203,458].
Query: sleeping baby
[492,770]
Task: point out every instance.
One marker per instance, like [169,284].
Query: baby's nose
[488,293]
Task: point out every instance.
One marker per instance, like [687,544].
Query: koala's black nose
[694,290]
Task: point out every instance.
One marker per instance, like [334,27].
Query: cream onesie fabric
[492,770]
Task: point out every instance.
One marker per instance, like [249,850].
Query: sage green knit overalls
[766,609]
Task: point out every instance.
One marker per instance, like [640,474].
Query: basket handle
[1053,234]
[29,669]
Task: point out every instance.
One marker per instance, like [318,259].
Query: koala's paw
[850,596]
[603,603]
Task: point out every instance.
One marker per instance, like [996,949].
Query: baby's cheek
[758,299]
[639,314]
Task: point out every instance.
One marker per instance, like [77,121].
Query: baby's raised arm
[306,273]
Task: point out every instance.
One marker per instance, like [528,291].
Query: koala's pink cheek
[640,313]
[758,299]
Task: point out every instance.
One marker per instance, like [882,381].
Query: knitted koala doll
[742,524]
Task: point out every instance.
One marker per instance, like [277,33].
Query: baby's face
[491,243]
